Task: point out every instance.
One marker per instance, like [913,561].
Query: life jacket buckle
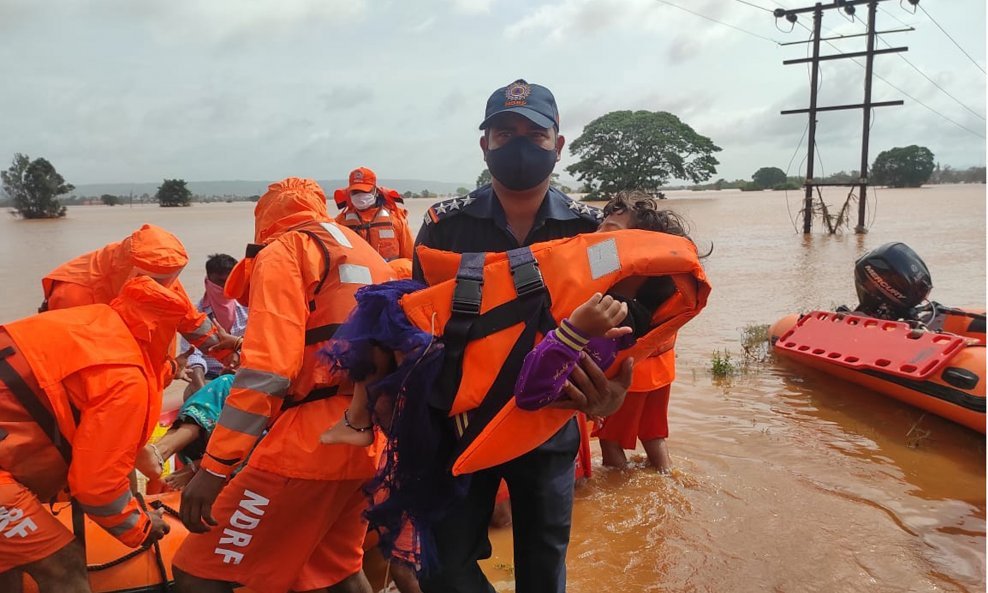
[466,296]
[527,278]
[253,249]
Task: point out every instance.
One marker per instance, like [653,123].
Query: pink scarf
[224,309]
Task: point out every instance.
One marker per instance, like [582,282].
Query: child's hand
[599,316]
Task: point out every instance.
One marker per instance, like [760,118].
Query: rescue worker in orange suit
[291,518]
[375,213]
[97,277]
[79,395]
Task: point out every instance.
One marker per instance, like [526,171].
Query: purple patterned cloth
[550,363]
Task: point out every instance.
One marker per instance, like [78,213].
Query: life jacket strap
[313,396]
[322,333]
[253,249]
[30,402]
[530,306]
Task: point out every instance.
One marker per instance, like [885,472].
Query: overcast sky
[140,90]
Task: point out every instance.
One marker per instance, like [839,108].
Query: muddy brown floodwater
[786,480]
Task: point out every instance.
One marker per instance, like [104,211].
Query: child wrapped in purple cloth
[599,328]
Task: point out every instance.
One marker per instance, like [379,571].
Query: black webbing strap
[313,396]
[325,265]
[532,307]
[320,334]
[29,400]
[253,249]
[467,296]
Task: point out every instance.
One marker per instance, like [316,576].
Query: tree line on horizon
[620,151]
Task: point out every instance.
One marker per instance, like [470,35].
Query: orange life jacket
[498,306]
[378,226]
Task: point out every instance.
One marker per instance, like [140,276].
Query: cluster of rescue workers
[370,388]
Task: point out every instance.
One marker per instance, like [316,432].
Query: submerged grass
[754,352]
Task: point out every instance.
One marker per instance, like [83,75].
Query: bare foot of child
[345,433]
[178,480]
[149,461]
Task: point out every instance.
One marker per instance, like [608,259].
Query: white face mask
[362,201]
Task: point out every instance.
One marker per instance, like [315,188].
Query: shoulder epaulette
[586,211]
[448,208]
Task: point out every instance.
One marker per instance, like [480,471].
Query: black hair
[220,264]
[646,215]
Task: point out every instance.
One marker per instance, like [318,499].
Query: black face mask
[520,164]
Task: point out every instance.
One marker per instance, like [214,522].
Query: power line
[923,74]
[754,5]
[893,16]
[713,20]
[952,39]
[879,77]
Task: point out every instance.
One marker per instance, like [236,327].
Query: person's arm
[69,294]
[547,367]
[271,356]
[111,430]
[406,244]
[426,237]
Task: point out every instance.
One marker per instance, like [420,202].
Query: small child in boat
[600,327]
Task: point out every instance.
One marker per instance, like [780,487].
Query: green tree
[409,195]
[172,193]
[640,150]
[909,166]
[769,178]
[34,187]
[462,191]
[109,200]
[484,178]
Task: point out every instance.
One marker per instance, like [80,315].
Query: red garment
[642,416]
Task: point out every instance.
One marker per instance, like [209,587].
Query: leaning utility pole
[792,15]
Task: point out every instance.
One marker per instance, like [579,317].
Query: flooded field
[786,480]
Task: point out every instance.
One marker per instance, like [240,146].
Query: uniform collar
[483,203]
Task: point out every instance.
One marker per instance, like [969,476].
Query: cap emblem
[516,93]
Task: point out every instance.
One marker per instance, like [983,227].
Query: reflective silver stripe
[264,382]
[387,233]
[109,509]
[129,523]
[241,421]
[603,258]
[352,216]
[204,328]
[337,234]
[384,213]
[354,274]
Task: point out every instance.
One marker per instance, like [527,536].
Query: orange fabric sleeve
[272,351]
[406,244]
[113,425]
[196,328]
[68,294]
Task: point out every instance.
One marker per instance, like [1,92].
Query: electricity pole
[818,10]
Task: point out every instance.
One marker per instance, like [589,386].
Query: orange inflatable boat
[942,373]
[115,568]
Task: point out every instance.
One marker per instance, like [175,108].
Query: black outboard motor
[891,280]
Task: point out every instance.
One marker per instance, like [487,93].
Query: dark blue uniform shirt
[476,222]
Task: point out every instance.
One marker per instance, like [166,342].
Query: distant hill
[250,188]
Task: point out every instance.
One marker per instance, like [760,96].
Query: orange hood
[150,248]
[153,314]
[287,203]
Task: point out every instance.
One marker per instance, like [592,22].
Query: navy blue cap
[531,100]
